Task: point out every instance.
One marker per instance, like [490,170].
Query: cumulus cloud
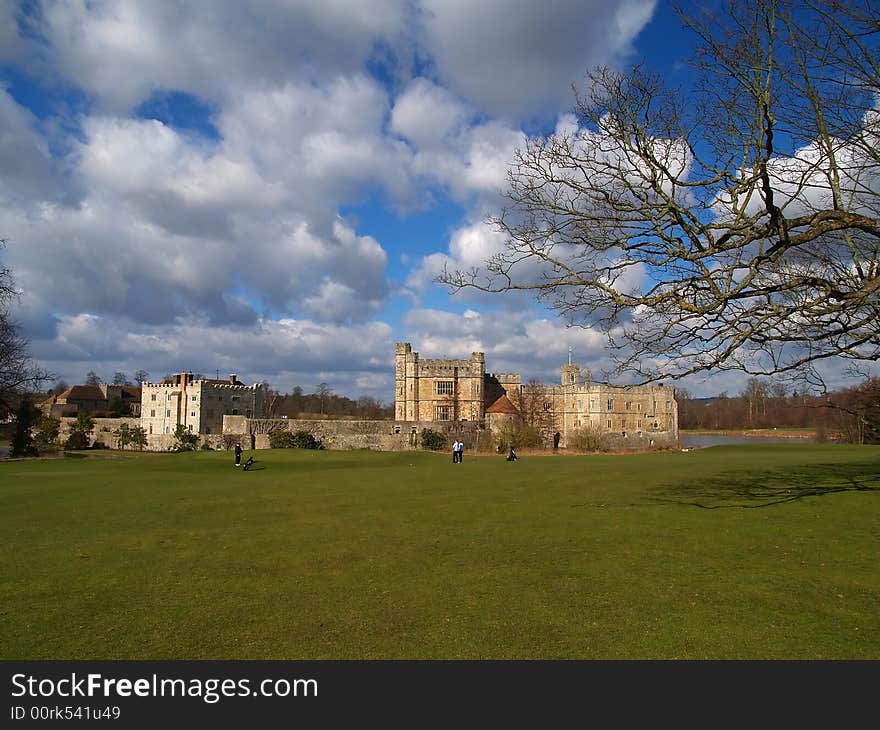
[141,244]
[522,60]
[286,352]
[122,51]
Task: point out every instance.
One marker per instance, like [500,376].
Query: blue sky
[270,188]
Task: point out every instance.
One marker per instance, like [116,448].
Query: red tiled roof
[503,405]
[82,392]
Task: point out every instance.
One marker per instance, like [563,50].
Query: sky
[270,188]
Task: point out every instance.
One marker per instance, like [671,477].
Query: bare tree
[534,401]
[733,225]
[18,373]
[324,391]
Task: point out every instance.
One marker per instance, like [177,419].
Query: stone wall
[104,428]
[376,435]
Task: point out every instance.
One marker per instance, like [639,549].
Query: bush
[206,447]
[433,440]
[77,440]
[518,435]
[298,440]
[281,440]
[589,438]
[184,440]
[305,440]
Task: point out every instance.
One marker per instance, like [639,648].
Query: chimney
[233,380]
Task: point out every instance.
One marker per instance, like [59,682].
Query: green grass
[745,552]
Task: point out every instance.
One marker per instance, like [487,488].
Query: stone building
[438,390]
[462,390]
[93,399]
[198,404]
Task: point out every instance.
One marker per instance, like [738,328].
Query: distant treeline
[322,403]
[852,413]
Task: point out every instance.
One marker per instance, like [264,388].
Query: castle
[461,390]
[457,397]
[198,404]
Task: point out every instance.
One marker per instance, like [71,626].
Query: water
[701,440]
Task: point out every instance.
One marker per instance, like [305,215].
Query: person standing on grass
[455,451]
[460,450]
[238,454]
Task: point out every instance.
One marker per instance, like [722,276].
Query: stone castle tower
[437,390]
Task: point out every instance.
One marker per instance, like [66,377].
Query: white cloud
[427,114]
[123,51]
[520,59]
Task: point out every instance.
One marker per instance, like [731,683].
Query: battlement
[506,377]
[444,365]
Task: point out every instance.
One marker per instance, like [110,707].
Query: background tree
[26,417]
[123,435]
[272,400]
[137,437]
[18,373]
[535,406]
[120,378]
[141,376]
[47,432]
[59,387]
[92,378]
[80,435]
[730,225]
[324,391]
[184,440]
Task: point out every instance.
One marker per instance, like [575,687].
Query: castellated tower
[437,390]
[570,376]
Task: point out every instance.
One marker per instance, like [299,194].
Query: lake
[703,440]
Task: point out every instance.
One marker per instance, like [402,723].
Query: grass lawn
[746,552]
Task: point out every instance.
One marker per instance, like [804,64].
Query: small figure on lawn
[512,455]
[238,454]
[249,463]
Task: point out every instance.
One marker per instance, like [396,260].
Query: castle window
[235,397]
[638,406]
[442,413]
[609,424]
[167,414]
[192,414]
[153,396]
[444,387]
[152,412]
[547,406]
[629,405]
[592,404]
[611,404]
[194,398]
[667,405]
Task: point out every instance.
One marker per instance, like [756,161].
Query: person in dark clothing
[512,455]
[238,454]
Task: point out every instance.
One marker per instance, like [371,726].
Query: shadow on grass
[750,490]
